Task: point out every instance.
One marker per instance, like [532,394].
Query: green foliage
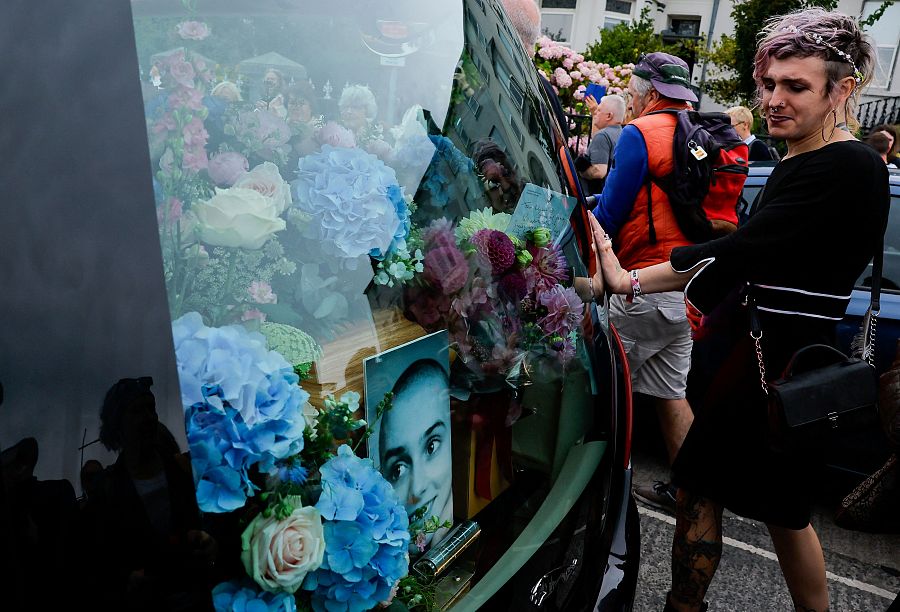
[721,84]
[875,16]
[732,57]
[624,43]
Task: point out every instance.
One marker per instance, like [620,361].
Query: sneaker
[660,495]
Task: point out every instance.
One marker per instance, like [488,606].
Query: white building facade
[578,23]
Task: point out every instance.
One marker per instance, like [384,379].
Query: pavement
[863,569]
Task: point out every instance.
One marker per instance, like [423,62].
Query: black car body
[86,278]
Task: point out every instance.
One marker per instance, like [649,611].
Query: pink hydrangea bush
[570,73]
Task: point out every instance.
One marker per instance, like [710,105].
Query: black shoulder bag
[822,393]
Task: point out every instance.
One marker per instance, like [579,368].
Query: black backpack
[708,174]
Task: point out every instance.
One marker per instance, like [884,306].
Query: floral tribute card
[541,207]
[408,411]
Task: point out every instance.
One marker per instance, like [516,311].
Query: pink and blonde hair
[794,35]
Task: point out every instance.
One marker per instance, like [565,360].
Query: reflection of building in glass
[504,107]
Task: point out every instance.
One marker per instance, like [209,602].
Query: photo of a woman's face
[414,443]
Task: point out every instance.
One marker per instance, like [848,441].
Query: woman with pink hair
[797,258]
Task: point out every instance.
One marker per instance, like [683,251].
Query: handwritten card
[541,207]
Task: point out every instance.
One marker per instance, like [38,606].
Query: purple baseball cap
[669,75]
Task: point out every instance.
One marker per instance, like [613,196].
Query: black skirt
[727,455]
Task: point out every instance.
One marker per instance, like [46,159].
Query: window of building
[685,26]
[619,6]
[886,33]
[611,22]
[563,4]
[557,26]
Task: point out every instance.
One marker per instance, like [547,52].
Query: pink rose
[336,135]
[225,168]
[193,30]
[182,72]
[266,179]
[278,554]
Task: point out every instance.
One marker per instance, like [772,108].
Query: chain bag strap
[821,391]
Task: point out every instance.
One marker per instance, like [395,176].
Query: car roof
[764,169]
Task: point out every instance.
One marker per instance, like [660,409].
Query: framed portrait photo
[410,442]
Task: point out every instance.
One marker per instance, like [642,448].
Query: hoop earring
[833,114]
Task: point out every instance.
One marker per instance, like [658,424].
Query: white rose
[266,179]
[237,217]
[278,554]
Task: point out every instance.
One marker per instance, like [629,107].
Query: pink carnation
[192,30]
[182,72]
[564,310]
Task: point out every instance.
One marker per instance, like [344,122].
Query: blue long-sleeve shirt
[624,181]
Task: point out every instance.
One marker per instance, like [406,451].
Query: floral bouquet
[323,528]
[504,300]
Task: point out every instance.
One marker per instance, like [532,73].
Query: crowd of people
[798,257]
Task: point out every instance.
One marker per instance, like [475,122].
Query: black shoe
[660,495]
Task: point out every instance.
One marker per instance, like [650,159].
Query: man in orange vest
[654,328]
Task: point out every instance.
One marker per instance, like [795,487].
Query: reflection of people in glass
[503,184]
[414,442]
[273,93]
[142,520]
[358,108]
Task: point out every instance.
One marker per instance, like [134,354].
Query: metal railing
[878,112]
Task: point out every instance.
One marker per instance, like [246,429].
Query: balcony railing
[878,112]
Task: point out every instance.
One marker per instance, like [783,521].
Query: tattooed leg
[696,549]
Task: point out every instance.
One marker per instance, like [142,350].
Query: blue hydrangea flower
[244,597]
[404,225]
[243,408]
[366,536]
[347,194]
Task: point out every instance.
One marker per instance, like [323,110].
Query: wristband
[635,284]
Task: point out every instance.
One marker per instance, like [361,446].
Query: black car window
[890,277]
[360,176]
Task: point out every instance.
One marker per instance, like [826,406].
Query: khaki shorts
[657,339]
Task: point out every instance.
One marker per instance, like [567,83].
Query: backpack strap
[649,185]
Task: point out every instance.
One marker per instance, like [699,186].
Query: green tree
[624,43]
[732,56]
